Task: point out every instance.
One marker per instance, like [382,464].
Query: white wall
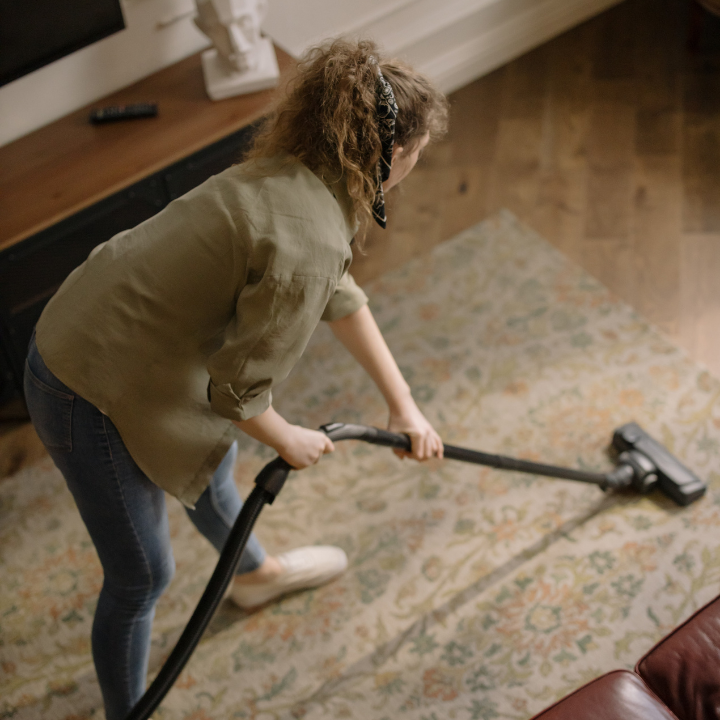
[453,41]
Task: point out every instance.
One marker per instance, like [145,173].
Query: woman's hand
[359,333]
[297,445]
[302,447]
[426,443]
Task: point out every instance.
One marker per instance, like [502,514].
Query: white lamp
[242,61]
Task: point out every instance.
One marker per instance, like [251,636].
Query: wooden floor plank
[615,42]
[657,226]
[608,202]
[611,261]
[700,299]
[560,212]
[465,188]
[701,170]
[474,118]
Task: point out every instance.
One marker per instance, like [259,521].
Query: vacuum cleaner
[643,464]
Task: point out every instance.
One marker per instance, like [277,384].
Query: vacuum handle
[376,436]
[373,435]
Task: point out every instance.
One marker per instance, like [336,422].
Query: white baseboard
[468,61]
[454,42]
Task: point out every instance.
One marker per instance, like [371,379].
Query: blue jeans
[126,517]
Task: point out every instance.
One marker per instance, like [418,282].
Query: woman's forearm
[360,334]
[298,445]
[269,428]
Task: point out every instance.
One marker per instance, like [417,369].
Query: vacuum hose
[631,471]
[267,485]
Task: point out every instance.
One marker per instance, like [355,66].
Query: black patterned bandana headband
[387,112]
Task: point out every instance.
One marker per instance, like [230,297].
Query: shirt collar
[338,189]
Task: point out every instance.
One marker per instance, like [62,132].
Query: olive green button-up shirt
[214,297]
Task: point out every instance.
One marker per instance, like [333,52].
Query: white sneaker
[303,568]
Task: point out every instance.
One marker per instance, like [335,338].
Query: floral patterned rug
[471,593]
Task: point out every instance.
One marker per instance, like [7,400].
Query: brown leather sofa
[678,679]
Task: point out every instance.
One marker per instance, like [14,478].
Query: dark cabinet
[190,172]
[32,270]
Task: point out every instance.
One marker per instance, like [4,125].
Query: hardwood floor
[606,141]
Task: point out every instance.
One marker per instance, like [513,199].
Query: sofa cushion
[683,669]
[619,695]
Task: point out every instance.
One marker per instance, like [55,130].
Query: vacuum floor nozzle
[655,465]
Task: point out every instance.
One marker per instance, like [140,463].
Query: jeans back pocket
[50,411]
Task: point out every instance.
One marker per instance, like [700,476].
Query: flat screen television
[34,33]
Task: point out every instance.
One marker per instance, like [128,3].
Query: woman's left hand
[426,443]
[362,337]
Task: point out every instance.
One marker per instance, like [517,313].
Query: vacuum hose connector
[633,470]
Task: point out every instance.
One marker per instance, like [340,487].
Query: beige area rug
[471,593]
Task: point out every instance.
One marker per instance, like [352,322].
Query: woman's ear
[397,150]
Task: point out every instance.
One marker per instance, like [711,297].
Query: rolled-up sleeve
[273,322]
[347,298]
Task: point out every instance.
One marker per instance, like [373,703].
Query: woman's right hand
[295,444]
[302,447]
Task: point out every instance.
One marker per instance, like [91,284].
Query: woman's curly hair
[327,119]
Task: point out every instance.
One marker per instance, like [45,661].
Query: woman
[170,337]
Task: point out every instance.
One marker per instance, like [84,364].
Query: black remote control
[123,112]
